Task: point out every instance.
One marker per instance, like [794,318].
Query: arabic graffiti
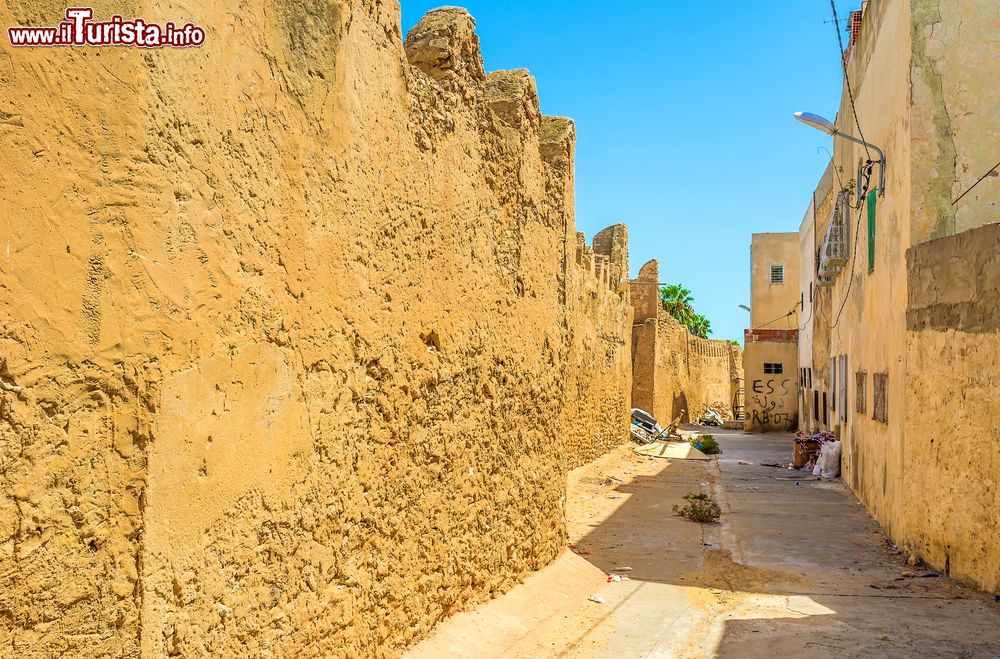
[769,403]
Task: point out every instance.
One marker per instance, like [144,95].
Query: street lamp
[825,125]
[745,308]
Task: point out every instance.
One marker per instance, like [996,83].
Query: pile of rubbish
[655,441]
[711,418]
[645,429]
[817,453]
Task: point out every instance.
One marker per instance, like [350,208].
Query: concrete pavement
[795,568]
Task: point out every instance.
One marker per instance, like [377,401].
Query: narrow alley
[795,568]
[333,331]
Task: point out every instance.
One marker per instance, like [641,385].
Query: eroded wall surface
[951,464]
[922,312]
[292,323]
[676,374]
[598,382]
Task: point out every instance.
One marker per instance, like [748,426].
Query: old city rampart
[296,347]
[299,337]
[677,374]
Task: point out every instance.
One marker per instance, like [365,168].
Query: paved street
[795,569]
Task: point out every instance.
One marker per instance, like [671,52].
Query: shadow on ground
[796,568]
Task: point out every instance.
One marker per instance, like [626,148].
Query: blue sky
[684,127]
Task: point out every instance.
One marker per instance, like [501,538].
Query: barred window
[777,274]
[773,369]
[880,401]
[861,392]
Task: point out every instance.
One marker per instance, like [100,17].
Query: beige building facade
[774,277]
[900,335]
[770,364]
[770,359]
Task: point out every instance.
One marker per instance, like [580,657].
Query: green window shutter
[871,231]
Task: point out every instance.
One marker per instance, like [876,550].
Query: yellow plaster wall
[923,96]
[867,311]
[951,343]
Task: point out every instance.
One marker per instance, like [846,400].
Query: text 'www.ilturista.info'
[79,30]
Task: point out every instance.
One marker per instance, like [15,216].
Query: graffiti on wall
[769,398]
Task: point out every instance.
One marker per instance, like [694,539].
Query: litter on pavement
[672,451]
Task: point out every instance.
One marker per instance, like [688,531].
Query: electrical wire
[862,190]
[981,179]
[854,259]
[805,323]
[791,312]
[847,78]
[840,181]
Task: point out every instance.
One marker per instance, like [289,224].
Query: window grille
[833,257]
[861,392]
[777,274]
[773,369]
[880,391]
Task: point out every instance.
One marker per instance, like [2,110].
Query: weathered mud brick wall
[676,373]
[598,382]
[290,323]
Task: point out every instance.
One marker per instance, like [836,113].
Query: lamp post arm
[881,160]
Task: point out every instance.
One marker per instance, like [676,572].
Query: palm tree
[700,326]
[677,302]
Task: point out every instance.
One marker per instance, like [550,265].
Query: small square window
[773,369]
[777,274]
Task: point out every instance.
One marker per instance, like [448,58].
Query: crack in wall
[927,17]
